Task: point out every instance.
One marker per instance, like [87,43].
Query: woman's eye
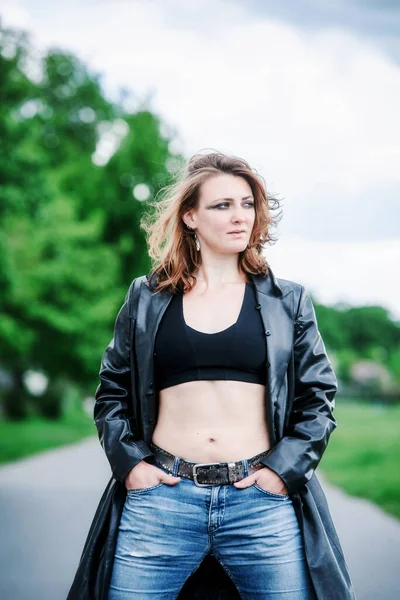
[226,204]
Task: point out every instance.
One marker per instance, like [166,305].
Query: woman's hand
[144,475]
[266,479]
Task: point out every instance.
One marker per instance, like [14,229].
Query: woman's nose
[239,216]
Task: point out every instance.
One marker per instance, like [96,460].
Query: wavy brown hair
[171,243]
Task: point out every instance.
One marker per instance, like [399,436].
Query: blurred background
[100,104]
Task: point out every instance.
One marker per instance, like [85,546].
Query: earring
[196,239]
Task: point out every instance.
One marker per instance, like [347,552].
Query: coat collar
[267,284]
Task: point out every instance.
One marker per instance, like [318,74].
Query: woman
[214,409]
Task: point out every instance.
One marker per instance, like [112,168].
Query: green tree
[69,235]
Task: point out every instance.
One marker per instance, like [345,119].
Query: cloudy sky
[306,91]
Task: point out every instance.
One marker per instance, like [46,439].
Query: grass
[362,456]
[20,439]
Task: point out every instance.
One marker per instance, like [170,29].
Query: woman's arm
[113,407]
[295,457]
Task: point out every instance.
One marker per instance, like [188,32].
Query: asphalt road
[47,503]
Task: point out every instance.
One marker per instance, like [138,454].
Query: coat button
[267,332]
[267,364]
[258,306]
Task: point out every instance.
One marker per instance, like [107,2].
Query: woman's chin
[237,247]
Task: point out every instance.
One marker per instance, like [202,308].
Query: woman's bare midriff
[212,421]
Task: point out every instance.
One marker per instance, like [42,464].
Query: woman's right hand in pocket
[144,475]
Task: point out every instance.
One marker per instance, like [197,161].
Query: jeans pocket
[271,494]
[143,490]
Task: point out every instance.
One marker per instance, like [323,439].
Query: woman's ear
[187,218]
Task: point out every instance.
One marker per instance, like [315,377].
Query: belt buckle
[196,466]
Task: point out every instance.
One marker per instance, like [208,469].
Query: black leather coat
[300,390]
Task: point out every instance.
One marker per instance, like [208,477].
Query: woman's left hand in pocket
[265,478]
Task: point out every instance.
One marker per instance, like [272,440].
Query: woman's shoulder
[281,285]
[140,279]
[135,286]
[149,281]
[289,285]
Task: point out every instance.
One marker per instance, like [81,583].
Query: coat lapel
[150,311]
[276,308]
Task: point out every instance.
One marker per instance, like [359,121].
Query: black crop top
[185,354]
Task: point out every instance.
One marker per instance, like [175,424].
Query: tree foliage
[69,235]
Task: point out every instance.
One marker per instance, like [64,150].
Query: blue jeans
[165,532]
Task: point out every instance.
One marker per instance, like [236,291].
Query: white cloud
[16,14]
[315,112]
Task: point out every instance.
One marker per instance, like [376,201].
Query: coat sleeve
[295,457]
[112,410]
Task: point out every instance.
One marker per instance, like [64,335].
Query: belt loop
[245,468]
[175,467]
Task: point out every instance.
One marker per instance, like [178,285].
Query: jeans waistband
[210,473]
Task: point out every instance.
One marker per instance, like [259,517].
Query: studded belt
[217,473]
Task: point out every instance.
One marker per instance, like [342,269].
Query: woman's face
[226,204]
